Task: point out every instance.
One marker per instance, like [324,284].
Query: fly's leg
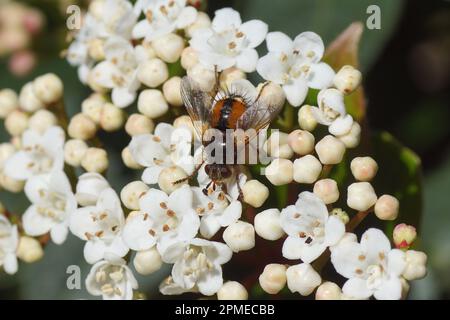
[197,168]
[265,84]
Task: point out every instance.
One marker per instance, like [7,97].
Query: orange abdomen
[226,113]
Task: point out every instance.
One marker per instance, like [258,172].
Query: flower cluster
[136,55]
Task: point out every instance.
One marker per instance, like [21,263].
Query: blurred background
[406,68]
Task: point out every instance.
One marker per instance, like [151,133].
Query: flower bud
[48,88]
[273,279]
[386,207]
[302,278]
[232,290]
[29,250]
[89,187]
[28,100]
[306,119]
[6,151]
[361,196]
[205,78]
[172,91]
[168,47]
[153,73]
[11,185]
[330,150]
[16,122]
[328,291]
[307,169]
[92,107]
[16,141]
[416,265]
[239,236]
[131,194]
[96,8]
[169,176]
[364,168]
[74,151]
[152,104]
[95,160]
[272,94]
[280,172]
[148,261]
[404,235]
[42,120]
[81,127]
[347,79]
[184,121]
[9,101]
[189,58]
[327,190]
[228,76]
[128,159]
[301,142]
[352,138]
[139,124]
[341,215]
[277,146]
[112,117]
[202,21]
[255,193]
[267,225]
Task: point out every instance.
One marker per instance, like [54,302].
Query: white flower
[112,279]
[39,154]
[162,17]
[165,148]
[231,184]
[163,220]
[229,42]
[331,112]
[89,187]
[52,203]
[198,267]
[101,226]
[309,227]
[216,211]
[295,65]
[371,267]
[119,71]
[117,19]
[9,240]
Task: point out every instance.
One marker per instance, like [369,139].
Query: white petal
[225,19]
[186,17]
[211,281]
[279,42]
[181,200]
[136,232]
[396,262]
[389,290]
[59,233]
[217,252]
[296,248]
[94,251]
[18,166]
[36,224]
[209,226]
[271,68]
[255,31]
[164,131]
[109,201]
[310,204]
[374,242]
[104,73]
[117,247]
[151,201]
[171,252]
[189,226]
[296,92]
[231,214]
[321,76]
[334,230]
[247,60]
[341,125]
[213,59]
[35,185]
[10,264]
[141,29]
[345,259]
[151,174]
[81,223]
[320,117]
[307,42]
[123,97]
[356,288]
[291,248]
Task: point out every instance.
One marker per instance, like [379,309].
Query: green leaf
[400,175]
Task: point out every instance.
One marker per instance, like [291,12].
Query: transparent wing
[257,117]
[198,104]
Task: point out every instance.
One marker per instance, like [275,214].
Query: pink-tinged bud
[21,63]
[404,236]
[33,21]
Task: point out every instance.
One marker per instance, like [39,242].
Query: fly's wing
[257,117]
[198,104]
